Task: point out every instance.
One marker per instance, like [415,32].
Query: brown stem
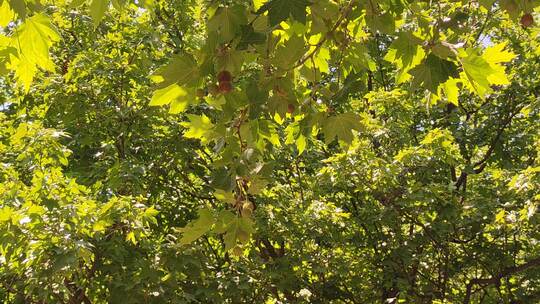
[496,279]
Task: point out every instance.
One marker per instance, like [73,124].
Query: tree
[269,151]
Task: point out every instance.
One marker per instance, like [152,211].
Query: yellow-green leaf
[227,20]
[34,38]
[167,95]
[6,14]
[199,127]
[25,71]
[182,69]
[451,90]
[97,10]
[197,228]
[476,71]
[499,217]
[498,54]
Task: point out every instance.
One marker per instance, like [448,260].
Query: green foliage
[97,10]
[280,10]
[341,126]
[432,72]
[279,151]
[197,228]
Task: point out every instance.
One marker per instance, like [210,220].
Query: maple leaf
[280,10]
[233,228]
[405,50]
[33,39]
[482,71]
[97,10]
[250,37]
[6,14]
[166,95]
[182,69]
[477,71]
[178,98]
[228,21]
[290,52]
[341,126]
[497,54]
[432,72]
[199,127]
[198,227]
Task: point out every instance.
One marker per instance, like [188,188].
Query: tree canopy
[269,151]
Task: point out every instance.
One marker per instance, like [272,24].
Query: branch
[496,279]
[78,296]
[342,17]
[300,184]
[480,165]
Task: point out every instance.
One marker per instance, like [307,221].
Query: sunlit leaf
[199,127]
[97,10]
[198,227]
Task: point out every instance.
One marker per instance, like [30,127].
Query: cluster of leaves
[269,151]
[50,224]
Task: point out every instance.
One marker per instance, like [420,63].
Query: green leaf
[341,126]
[167,95]
[100,226]
[227,223]
[480,72]
[499,217]
[404,49]
[182,69]
[320,59]
[451,90]
[432,72]
[6,214]
[197,228]
[63,259]
[280,10]
[235,229]
[290,52]
[477,71]
[34,38]
[444,50]
[359,57]
[497,54]
[228,21]
[76,3]
[150,214]
[230,61]
[384,23]
[19,6]
[179,104]
[25,70]
[199,127]
[406,52]
[224,219]
[231,234]
[301,143]
[250,37]
[226,196]
[6,14]
[322,11]
[97,10]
